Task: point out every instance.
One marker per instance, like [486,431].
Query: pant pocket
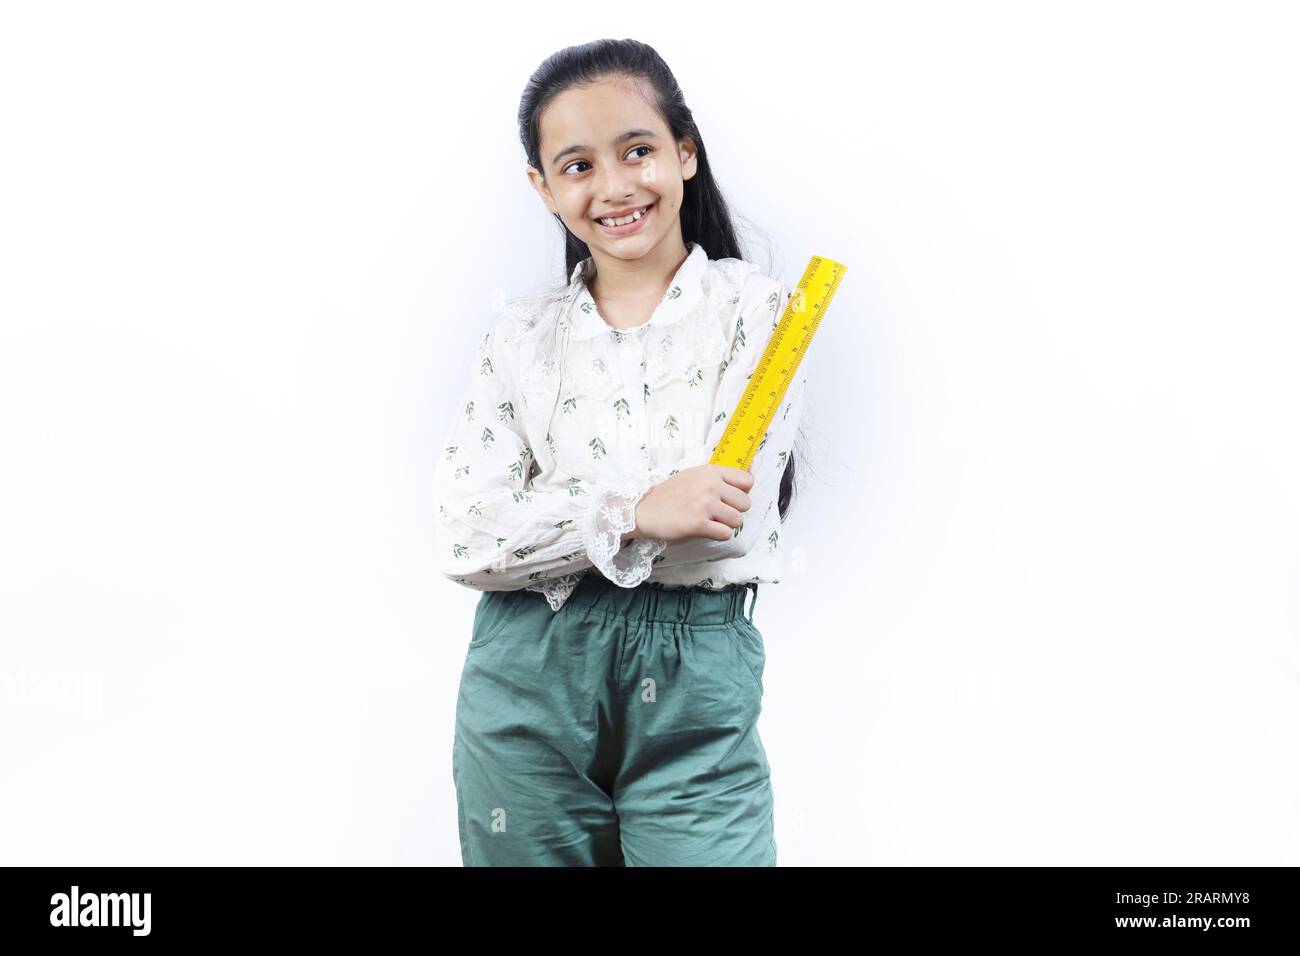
[748,642]
[493,615]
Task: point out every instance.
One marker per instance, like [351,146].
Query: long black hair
[705,217]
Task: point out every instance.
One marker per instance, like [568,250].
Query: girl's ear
[538,182]
[686,150]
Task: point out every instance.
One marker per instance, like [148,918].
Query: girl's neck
[624,283]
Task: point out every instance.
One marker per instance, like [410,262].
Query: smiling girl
[608,705]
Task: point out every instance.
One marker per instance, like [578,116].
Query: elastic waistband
[651,601]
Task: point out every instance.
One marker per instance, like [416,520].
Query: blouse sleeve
[754,327]
[495,531]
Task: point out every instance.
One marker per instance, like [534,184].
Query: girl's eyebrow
[630,134]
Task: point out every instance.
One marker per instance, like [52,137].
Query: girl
[608,706]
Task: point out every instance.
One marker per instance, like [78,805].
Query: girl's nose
[614,188]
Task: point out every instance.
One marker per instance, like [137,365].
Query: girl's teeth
[626,219]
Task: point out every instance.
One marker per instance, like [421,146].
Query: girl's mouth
[628,228]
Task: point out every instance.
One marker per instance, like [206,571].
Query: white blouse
[568,421]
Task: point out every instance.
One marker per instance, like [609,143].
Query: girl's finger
[736,498]
[737,477]
[728,515]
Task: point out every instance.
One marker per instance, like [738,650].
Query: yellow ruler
[779,363]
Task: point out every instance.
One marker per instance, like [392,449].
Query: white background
[1041,599]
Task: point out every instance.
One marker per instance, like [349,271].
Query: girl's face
[606,151]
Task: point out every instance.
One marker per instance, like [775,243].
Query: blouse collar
[683,292]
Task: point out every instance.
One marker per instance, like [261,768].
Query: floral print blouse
[567,422]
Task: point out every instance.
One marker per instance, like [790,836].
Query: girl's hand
[707,501]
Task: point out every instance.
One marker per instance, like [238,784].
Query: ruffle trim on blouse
[557,590]
[675,351]
[592,369]
[678,352]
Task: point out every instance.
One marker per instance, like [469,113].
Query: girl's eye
[583,162]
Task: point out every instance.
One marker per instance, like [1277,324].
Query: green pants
[620,730]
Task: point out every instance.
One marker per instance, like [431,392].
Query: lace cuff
[612,513]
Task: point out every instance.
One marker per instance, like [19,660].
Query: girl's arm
[754,328]
[494,531]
